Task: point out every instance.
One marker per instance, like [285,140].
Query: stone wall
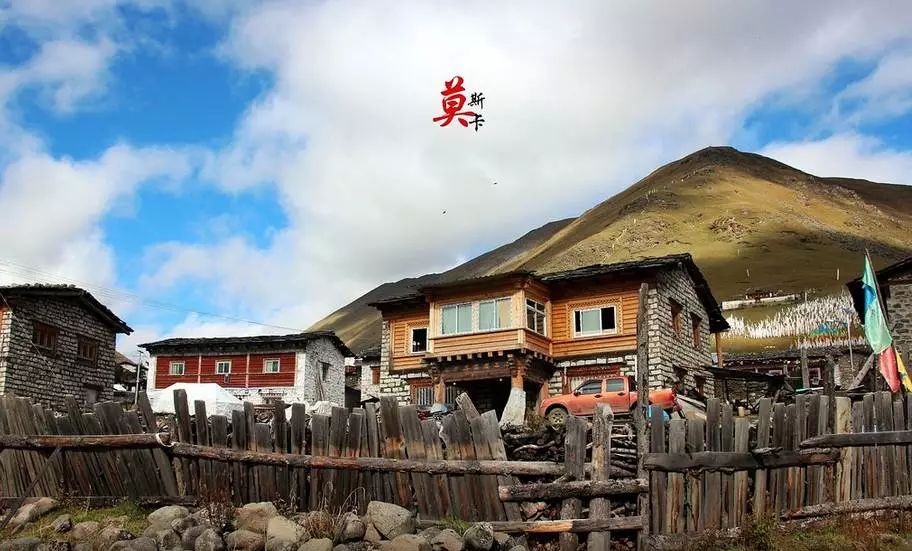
[668,351]
[899,307]
[48,377]
[392,384]
[323,350]
[626,361]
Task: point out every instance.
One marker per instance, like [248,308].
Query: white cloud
[848,155]
[53,208]
[581,100]
[885,93]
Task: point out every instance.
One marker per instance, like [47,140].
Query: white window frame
[600,332]
[412,339]
[173,371]
[220,362]
[278,364]
[543,311]
[497,322]
[456,305]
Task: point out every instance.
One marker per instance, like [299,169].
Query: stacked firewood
[546,443]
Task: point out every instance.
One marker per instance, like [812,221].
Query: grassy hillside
[751,223]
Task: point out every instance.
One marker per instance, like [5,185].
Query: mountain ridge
[752,223]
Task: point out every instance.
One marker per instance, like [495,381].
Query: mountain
[752,224]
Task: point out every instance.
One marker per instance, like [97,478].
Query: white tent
[218,400]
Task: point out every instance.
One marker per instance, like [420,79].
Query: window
[590,387]
[456,318]
[271,365]
[86,350]
[676,310]
[91,394]
[614,385]
[595,321]
[223,367]
[375,375]
[44,336]
[324,370]
[494,314]
[535,316]
[419,340]
[177,368]
[423,395]
[697,333]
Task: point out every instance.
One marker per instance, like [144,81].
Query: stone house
[57,341]
[261,369]
[547,333]
[895,283]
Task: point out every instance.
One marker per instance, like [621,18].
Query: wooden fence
[456,467]
[809,458]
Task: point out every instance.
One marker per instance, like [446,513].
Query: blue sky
[272,161]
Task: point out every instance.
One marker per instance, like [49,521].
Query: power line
[127,296]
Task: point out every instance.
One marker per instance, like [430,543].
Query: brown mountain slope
[749,221]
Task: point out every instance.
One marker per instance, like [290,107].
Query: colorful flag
[875,327]
[903,372]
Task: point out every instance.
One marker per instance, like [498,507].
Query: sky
[224,167]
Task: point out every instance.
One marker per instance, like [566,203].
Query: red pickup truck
[617,391]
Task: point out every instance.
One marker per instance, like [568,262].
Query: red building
[293,368]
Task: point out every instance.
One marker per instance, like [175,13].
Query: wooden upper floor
[556,316]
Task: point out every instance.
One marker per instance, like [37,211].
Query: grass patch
[132,516]
[884,532]
[456,524]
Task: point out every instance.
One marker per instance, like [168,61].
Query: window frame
[183,371]
[696,326]
[90,342]
[324,370]
[219,362]
[412,339]
[494,301]
[278,364]
[536,311]
[677,312]
[51,331]
[456,305]
[602,331]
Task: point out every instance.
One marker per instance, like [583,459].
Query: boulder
[180,525]
[84,530]
[503,540]
[281,545]
[283,529]
[371,535]
[390,520]
[208,540]
[430,533]
[340,547]
[254,517]
[447,540]
[518,548]
[21,544]
[318,544]
[111,534]
[143,544]
[352,527]
[406,542]
[479,537]
[163,516]
[62,523]
[32,509]
[167,539]
[245,540]
[188,537]
[82,547]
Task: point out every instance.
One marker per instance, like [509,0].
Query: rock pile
[260,527]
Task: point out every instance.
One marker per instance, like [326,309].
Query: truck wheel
[557,417]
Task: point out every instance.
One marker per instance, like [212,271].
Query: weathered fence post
[574,462]
[639,413]
[600,507]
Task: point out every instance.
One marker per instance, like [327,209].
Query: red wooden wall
[238,378]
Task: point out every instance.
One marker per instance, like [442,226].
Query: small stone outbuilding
[57,341]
